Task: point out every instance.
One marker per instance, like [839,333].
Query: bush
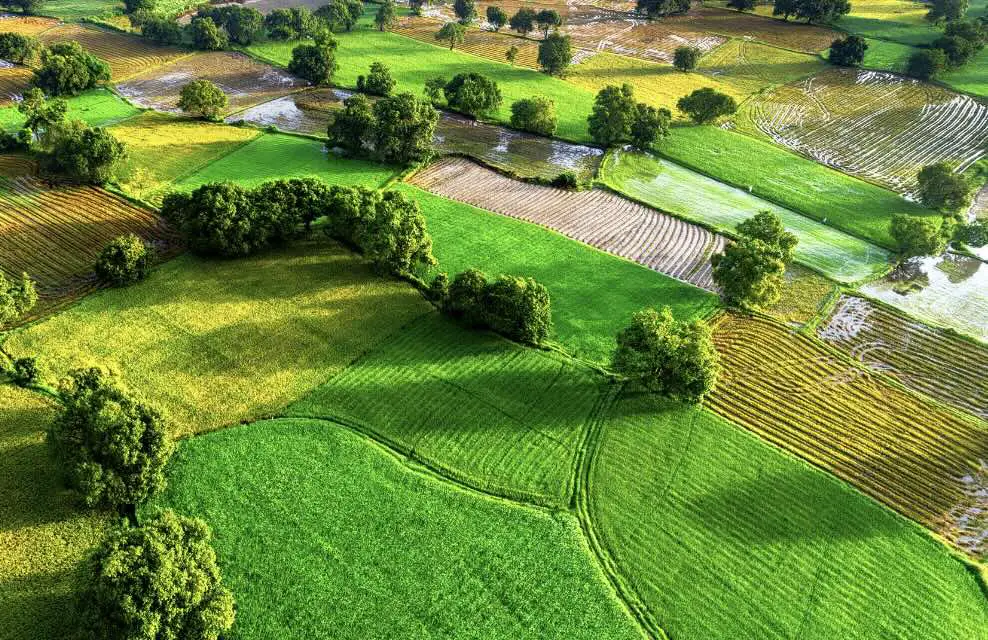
[16,299]
[158,580]
[565,180]
[452,32]
[403,130]
[466,295]
[547,20]
[111,448]
[686,58]
[465,10]
[386,16]
[10,142]
[673,358]
[314,62]
[18,48]
[536,115]
[472,94]
[207,36]
[43,117]
[705,105]
[242,24]
[68,69]
[438,288]
[941,188]
[849,51]
[926,64]
[28,7]
[378,82]
[948,10]
[203,98]
[132,6]
[85,154]
[350,210]
[341,14]
[25,372]
[518,308]
[973,234]
[125,260]
[555,53]
[742,5]
[919,236]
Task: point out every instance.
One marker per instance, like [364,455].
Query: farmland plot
[295,113]
[752,66]
[875,125]
[25,25]
[892,444]
[96,107]
[598,218]
[14,80]
[934,362]
[245,81]
[478,42]
[127,55]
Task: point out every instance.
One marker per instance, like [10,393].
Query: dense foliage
[536,115]
[378,82]
[686,58]
[497,17]
[207,36]
[289,24]
[202,98]
[68,69]
[314,62]
[848,51]
[811,10]
[555,53]
[242,24]
[660,8]
[523,21]
[472,94]
[926,63]
[125,260]
[18,48]
[465,10]
[941,188]
[341,14]
[948,10]
[386,16]
[617,118]
[707,104]
[85,154]
[920,236]
[518,308]
[452,32]
[403,129]
[750,271]
[16,298]
[547,20]
[163,31]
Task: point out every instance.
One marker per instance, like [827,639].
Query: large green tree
[939,187]
[660,8]
[452,32]
[404,128]
[750,271]
[315,62]
[707,104]
[352,127]
[919,235]
[379,82]
[613,112]
[524,21]
[555,53]
[203,98]
[496,17]
[536,115]
[472,94]
[68,69]
[547,20]
[395,238]
[16,298]
[848,51]
[85,154]
[386,16]
[207,36]
[124,260]
[465,10]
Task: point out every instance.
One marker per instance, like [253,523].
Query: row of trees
[961,41]
[396,129]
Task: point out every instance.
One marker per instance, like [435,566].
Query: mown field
[694,196]
[98,108]
[851,205]
[213,342]
[593,293]
[723,536]
[359,544]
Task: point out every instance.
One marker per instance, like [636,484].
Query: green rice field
[98,108]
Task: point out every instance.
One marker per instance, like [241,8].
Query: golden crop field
[751,66]
[126,55]
[25,25]
[478,42]
[14,80]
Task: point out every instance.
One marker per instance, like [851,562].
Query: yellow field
[750,66]
[13,82]
[126,55]
[802,295]
[485,44]
[28,26]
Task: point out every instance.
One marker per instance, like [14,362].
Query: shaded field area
[97,108]
[216,342]
[794,393]
[127,55]
[44,535]
[694,510]
[593,293]
[694,196]
[818,192]
[878,126]
[501,417]
[597,217]
[244,80]
[934,362]
[359,544]
[751,66]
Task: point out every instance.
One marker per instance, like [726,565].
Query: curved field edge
[695,510]
[361,542]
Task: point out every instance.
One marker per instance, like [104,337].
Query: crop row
[14,80]
[596,217]
[126,55]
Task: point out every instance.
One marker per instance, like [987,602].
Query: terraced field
[478,42]
[127,55]
[598,218]
[878,126]
[891,444]
[245,81]
[937,363]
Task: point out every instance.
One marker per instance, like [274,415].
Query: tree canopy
[16,298]
[750,271]
[524,21]
[452,32]
[124,260]
[378,82]
[496,17]
[403,130]
[386,16]
[203,98]
[518,308]
[707,104]
[555,53]
[941,188]
[536,115]
[848,51]
[472,94]
[660,8]
[68,69]
[686,58]
[314,62]
[465,10]
[919,235]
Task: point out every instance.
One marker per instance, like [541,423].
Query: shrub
[497,17]
[686,58]
[666,356]
[511,54]
[555,53]
[350,210]
[378,82]
[536,115]
[973,234]
[403,130]
[44,117]
[125,260]
[565,180]
[948,10]
[207,36]
[956,49]
[472,94]
[926,64]
[28,7]
[518,308]
[16,298]
[742,5]
[111,448]
[132,6]
[919,236]
[434,90]
[18,48]
[11,142]
[438,288]
[204,98]
[25,372]
[314,62]
[466,295]
[352,127]
[157,580]
[849,51]
[68,69]
[85,154]
[940,188]
[705,105]
[822,10]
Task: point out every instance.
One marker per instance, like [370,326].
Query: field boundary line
[188,174]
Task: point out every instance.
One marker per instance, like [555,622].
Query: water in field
[950,291]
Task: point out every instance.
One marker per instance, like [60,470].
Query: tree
[974,31]
[350,210]
[511,55]
[686,58]
[352,127]
[648,126]
[452,32]
[241,23]
[705,105]
[85,154]
[749,274]
[396,240]
[68,69]
[613,111]
[281,205]
[18,48]
[157,580]
[434,90]
[163,31]
[111,448]
[822,10]
[386,16]
[472,94]
[204,98]
[518,308]
[289,24]
[536,115]
[132,6]
[216,220]
[948,10]
[661,8]
[415,7]
[767,227]
[42,116]
[524,21]
[28,7]
[919,235]
[465,297]
[314,62]
[849,51]
[341,13]
[926,64]
[497,17]
[673,358]
[207,36]
[742,5]
[378,82]
[16,298]
[956,49]
[465,10]
[785,8]
[555,53]
[125,260]
[941,188]
[548,19]
[404,129]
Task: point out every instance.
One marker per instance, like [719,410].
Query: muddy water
[951,291]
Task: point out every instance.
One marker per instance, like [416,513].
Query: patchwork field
[478,42]
[359,544]
[794,393]
[878,126]
[213,343]
[97,108]
[972,77]
[245,81]
[127,55]
[597,217]
[751,66]
[77,9]
[694,510]
[669,187]
[937,363]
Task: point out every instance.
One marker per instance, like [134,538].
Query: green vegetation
[96,108]
[593,293]
[367,545]
[887,56]
[77,9]
[972,77]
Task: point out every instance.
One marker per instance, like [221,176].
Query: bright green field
[669,187]
[43,535]
[972,77]
[898,20]
[275,155]
[413,62]
[851,205]
[887,56]
[593,293]
[215,342]
[501,417]
[98,108]
[322,534]
[723,536]
[75,9]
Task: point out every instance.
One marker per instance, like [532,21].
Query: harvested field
[244,80]
[940,364]
[14,80]
[478,42]
[25,25]
[751,66]
[16,165]
[598,218]
[875,125]
[54,233]
[891,444]
[803,295]
[127,55]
